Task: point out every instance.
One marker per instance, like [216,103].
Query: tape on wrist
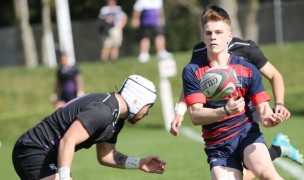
[132,163]
[64,173]
[180,108]
[228,114]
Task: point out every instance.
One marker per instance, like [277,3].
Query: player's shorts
[151,31]
[230,153]
[67,96]
[32,161]
[114,38]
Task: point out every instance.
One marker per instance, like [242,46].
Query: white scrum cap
[137,91]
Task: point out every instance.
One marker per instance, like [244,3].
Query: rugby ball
[218,82]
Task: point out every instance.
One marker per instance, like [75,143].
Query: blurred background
[25,23]
[30,38]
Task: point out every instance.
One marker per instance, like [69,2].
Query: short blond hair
[215,13]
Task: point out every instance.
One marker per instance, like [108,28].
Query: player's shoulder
[240,43]
[199,47]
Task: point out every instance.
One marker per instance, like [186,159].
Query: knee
[269,174]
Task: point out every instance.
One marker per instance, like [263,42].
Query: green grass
[24,101]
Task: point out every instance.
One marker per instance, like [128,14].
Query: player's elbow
[195,121]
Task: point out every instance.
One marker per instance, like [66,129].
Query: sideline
[290,167]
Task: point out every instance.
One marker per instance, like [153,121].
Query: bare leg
[257,159]
[114,54]
[105,52]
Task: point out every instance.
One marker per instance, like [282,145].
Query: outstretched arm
[108,156]
[180,110]
[74,135]
[267,117]
[278,88]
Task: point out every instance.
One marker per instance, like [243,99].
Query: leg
[248,175]
[282,147]
[105,52]
[59,104]
[144,45]
[160,43]
[114,53]
[220,172]
[144,55]
[257,159]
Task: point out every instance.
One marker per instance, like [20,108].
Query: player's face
[141,114]
[217,35]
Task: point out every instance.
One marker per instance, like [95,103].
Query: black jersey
[244,48]
[98,114]
[67,79]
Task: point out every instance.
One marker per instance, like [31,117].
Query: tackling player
[47,149]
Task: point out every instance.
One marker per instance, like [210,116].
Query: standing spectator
[69,82]
[149,16]
[112,20]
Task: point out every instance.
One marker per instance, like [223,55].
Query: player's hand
[177,122]
[271,120]
[152,164]
[235,105]
[281,109]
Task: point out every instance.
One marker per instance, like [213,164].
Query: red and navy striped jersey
[249,86]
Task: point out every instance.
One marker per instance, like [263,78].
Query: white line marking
[294,170]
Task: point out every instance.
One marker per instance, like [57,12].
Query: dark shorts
[151,31]
[31,161]
[67,96]
[230,153]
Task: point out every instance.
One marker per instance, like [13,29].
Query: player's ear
[230,37]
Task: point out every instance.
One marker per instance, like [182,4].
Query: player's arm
[267,117]
[201,115]
[74,135]
[107,155]
[180,110]
[278,88]
[135,22]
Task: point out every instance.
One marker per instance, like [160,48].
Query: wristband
[180,109]
[228,114]
[279,104]
[64,173]
[132,163]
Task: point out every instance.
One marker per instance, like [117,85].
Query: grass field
[24,101]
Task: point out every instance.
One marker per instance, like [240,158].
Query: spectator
[69,83]
[112,20]
[149,16]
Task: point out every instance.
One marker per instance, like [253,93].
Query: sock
[275,152]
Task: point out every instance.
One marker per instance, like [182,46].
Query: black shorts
[32,161]
[67,96]
[151,31]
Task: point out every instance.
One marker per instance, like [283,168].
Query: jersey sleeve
[257,58]
[95,116]
[191,86]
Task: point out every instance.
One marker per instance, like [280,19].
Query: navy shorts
[32,161]
[152,31]
[230,153]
